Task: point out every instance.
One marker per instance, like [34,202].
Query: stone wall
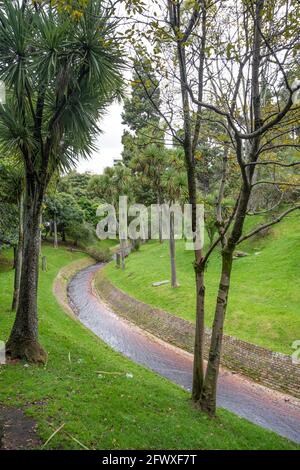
[274,370]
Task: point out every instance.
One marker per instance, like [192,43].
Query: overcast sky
[108,144]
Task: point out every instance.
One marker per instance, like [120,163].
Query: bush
[136,244]
[81,234]
[102,255]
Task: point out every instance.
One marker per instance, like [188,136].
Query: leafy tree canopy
[139,111]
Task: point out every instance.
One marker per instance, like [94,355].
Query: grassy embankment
[106,410]
[264,298]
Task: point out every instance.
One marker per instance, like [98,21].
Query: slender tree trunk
[55,232]
[44,263]
[159,219]
[15,249]
[208,395]
[190,142]
[219,215]
[209,390]
[23,340]
[198,372]
[198,368]
[19,257]
[122,250]
[40,237]
[172,252]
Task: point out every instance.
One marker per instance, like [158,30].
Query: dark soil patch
[17,432]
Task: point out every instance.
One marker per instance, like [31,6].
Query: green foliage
[148,168]
[139,111]
[74,8]
[11,185]
[98,185]
[101,255]
[141,114]
[63,208]
[81,234]
[9,217]
[208,167]
[114,182]
[89,208]
[174,178]
[74,183]
[137,245]
[11,180]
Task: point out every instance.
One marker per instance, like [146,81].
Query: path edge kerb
[63,278]
[268,368]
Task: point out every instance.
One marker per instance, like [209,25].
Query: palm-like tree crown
[59,75]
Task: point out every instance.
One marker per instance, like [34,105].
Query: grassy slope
[111,411]
[103,244]
[264,299]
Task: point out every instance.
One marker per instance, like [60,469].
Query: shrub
[101,255]
[81,234]
[136,244]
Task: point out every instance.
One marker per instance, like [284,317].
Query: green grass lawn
[264,301]
[108,411]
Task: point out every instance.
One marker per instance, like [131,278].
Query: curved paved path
[269,409]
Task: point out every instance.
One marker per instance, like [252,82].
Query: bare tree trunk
[219,215]
[122,253]
[159,219]
[55,232]
[208,395]
[172,252]
[209,391]
[15,249]
[23,340]
[198,370]
[198,373]
[189,143]
[41,223]
[44,263]
[19,256]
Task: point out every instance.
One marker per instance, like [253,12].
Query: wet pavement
[258,404]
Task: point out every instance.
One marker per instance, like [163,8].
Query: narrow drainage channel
[262,406]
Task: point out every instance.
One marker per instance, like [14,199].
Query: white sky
[109,146]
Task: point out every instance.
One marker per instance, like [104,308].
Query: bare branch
[267,225]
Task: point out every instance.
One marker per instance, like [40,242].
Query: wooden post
[44,263]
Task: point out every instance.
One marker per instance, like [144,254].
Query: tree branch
[267,225]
